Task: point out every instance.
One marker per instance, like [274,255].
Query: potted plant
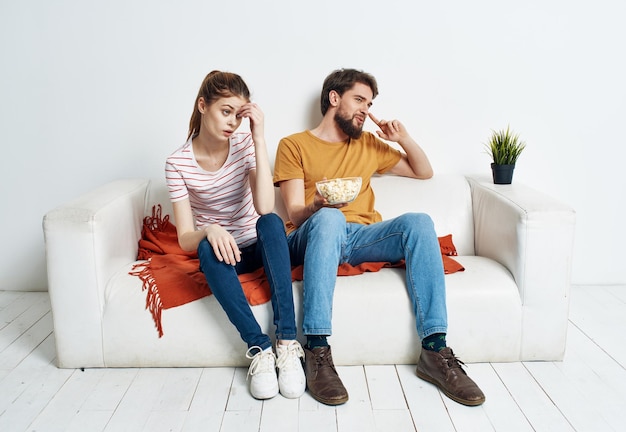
[504,147]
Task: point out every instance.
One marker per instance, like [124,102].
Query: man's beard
[347,126]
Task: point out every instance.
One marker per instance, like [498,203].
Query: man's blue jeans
[326,240]
[271,252]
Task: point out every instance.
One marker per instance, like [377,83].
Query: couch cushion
[372,319]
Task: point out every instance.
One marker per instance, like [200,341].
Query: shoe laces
[262,362]
[452,361]
[290,355]
[323,359]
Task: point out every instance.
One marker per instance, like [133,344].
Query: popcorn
[339,190]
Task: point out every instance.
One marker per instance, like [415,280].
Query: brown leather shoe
[444,370]
[322,379]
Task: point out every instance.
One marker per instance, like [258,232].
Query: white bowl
[339,190]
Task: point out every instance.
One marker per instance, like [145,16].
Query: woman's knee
[206,255]
[204,248]
[270,227]
[269,220]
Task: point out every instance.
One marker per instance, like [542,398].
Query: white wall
[94,91]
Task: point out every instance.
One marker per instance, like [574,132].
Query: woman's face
[220,119]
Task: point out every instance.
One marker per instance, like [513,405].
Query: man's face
[353,108]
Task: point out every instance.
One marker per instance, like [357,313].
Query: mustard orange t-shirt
[304,156]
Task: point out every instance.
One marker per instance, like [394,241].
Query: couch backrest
[446,198]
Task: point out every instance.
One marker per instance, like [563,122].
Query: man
[321,236]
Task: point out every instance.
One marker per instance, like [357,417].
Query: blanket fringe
[153,299]
[156,222]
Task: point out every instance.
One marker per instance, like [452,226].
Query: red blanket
[172,277]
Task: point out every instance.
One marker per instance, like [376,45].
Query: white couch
[510,303]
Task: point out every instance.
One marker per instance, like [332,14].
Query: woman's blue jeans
[271,252]
[326,240]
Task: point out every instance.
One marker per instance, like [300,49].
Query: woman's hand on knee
[223,244]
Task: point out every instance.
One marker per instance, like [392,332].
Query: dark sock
[435,342]
[316,341]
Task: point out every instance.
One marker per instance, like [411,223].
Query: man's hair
[342,80]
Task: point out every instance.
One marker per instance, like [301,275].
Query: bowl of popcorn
[339,190]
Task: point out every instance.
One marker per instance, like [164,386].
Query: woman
[220,185]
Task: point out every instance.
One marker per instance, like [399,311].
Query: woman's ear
[201,105]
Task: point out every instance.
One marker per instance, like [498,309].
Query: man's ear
[334,97]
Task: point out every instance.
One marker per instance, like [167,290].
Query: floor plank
[500,408]
[617,290]
[574,404]
[425,402]
[26,343]
[12,305]
[584,392]
[67,402]
[165,421]
[26,388]
[537,406]
[384,388]
[600,315]
[393,420]
[315,417]
[356,415]
[594,375]
[41,387]
[137,404]
[210,400]
[280,414]
[23,313]
[242,421]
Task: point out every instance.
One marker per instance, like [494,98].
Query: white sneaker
[263,384]
[291,379]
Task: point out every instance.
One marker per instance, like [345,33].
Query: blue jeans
[326,240]
[271,252]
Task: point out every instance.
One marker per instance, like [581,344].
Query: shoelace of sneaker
[262,361]
[290,357]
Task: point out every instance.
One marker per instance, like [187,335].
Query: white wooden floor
[585,392]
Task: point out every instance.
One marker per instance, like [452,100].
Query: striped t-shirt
[222,197]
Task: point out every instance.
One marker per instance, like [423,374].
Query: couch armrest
[87,241]
[532,235]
